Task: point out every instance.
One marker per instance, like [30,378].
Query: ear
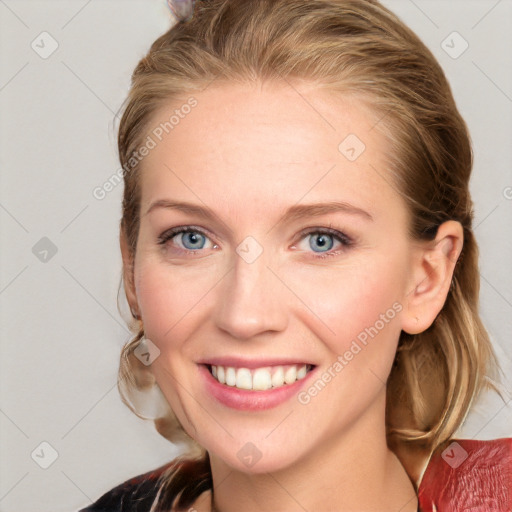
[431,277]
[129,284]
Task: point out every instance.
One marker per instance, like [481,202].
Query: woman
[299,260]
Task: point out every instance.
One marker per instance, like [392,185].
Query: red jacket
[465,476]
[468,475]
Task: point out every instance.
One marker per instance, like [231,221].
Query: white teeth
[278,377]
[230,376]
[290,376]
[259,379]
[243,379]
[301,372]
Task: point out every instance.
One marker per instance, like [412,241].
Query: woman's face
[258,281]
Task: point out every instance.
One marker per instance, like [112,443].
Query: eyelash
[341,237]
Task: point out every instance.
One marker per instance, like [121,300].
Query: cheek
[169,300]
[359,302]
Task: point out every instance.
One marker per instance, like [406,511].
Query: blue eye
[321,240]
[191,238]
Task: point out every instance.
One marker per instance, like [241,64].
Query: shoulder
[468,474]
[134,495]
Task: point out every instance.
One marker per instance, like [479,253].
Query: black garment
[461,474]
[135,495]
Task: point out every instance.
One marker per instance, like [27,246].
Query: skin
[248,152]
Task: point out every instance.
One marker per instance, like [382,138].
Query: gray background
[61,332]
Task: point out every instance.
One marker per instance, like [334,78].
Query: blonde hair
[355,47]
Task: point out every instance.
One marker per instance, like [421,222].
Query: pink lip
[238,362]
[249,400]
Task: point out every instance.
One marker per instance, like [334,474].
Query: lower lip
[248,400]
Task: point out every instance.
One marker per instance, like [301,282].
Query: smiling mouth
[259,379]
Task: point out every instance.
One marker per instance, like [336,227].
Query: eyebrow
[293,213]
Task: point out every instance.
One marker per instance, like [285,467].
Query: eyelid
[169,233]
[330,231]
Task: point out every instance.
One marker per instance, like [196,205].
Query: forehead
[249,144]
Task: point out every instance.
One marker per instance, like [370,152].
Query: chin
[252,460]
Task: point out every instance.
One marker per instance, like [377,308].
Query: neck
[352,470]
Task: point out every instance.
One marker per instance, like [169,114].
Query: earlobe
[433,267]
[129,285]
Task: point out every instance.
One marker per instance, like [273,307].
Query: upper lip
[239,362]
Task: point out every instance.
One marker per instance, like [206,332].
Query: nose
[252,300]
